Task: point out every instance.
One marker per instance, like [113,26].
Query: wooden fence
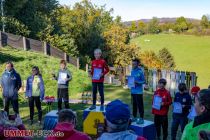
[20,42]
[173,78]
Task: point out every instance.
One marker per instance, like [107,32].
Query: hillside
[191,53]
[24,60]
[161,20]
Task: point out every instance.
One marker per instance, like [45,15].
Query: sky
[146,9]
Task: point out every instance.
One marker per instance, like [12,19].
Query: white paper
[177,107]
[157,102]
[131,82]
[192,113]
[97,74]
[62,78]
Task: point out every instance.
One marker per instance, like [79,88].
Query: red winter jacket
[100,64]
[166,99]
[69,132]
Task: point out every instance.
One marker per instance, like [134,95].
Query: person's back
[122,135]
[117,123]
[66,127]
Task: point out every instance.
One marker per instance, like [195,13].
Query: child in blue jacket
[137,90]
[182,105]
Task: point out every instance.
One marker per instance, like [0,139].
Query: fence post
[86,68]
[24,44]
[77,62]
[65,56]
[45,48]
[3,38]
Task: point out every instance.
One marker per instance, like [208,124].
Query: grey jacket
[69,77]
[11,83]
[123,135]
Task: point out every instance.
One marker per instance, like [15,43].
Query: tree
[153,26]
[166,59]
[35,14]
[133,26]
[150,60]
[141,27]
[181,25]
[117,49]
[86,23]
[204,22]
[12,25]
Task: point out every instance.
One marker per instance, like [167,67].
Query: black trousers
[14,102]
[36,100]
[178,120]
[95,87]
[138,104]
[63,94]
[161,121]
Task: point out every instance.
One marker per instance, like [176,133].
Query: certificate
[97,74]
[62,78]
[192,113]
[131,82]
[157,102]
[177,107]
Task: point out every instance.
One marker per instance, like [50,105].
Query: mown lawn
[191,53]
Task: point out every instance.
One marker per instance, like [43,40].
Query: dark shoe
[92,107]
[134,119]
[102,108]
[140,121]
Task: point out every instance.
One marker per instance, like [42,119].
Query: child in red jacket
[161,102]
[99,69]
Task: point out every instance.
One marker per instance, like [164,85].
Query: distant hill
[161,20]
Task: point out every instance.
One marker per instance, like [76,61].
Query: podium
[50,120]
[146,130]
[92,120]
[87,111]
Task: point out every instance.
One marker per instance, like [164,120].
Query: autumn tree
[166,59]
[118,50]
[150,60]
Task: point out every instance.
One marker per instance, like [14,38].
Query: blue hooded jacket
[138,75]
[29,87]
[11,83]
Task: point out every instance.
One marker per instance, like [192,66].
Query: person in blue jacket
[35,93]
[137,90]
[183,103]
[10,83]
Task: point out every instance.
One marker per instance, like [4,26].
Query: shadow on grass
[7,57]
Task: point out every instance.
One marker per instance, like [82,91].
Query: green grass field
[191,53]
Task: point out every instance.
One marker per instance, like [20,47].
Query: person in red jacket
[66,127]
[161,102]
[99,69]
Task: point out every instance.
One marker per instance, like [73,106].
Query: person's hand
[162,103]
[101,75]
[183,106]
[26,97]
[66,79]
[18,120]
